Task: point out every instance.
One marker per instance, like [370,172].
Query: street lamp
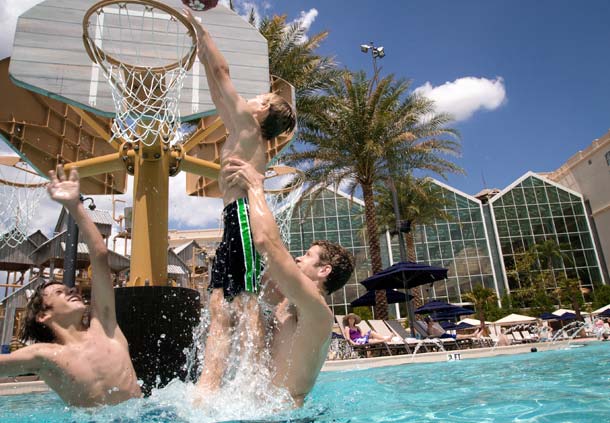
[376,53]
[379,53]
[71,253]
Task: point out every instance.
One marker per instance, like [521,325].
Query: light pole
[376,53]
[379,53]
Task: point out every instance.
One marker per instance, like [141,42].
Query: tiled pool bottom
[569,385]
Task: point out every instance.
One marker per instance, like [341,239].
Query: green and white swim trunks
[237,266]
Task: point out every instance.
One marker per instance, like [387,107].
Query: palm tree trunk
[381,301]
[418,300]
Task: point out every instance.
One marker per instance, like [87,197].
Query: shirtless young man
[86,365]
[303,319]
[236,270]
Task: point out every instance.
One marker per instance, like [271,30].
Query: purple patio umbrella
[443,308]
[405,275]
[368,299]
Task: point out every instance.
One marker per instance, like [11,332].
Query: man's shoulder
[322,318]
[41,350]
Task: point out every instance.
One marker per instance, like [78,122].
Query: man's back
[244,142]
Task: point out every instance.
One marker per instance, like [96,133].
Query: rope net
[144,49]
[21,190]
[283,188]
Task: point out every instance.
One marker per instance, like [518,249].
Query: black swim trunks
[237,266]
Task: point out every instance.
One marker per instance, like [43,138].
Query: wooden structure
[62,114]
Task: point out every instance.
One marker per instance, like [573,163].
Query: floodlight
[380,52]
[364,48]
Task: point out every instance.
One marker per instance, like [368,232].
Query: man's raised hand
[242,174]
[64,191]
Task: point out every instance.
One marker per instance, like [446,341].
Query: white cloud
[9,11]
[308,18]
[465,96]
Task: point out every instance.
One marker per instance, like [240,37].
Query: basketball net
[21,190]
[121,36]
[283,187]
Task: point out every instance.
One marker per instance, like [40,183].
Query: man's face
[310,264]
[61,300]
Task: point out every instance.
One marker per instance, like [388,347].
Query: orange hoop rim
[95,52]
[281,170]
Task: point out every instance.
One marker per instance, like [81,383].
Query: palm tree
[482,298]
[360,131]
[546,251]
[569,290]
[419,204]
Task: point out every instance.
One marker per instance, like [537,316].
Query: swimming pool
[552,386]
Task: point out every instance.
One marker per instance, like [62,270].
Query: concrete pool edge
[19,388]
[28,387]
[433,357]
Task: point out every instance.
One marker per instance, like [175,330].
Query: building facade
[588,172]
[478,244]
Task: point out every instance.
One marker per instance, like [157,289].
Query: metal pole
[71,252]
[403,252]
[302,237]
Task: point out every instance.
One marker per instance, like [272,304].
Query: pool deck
[19,386]
[454,355]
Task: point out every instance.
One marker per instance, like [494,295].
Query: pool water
[569,385]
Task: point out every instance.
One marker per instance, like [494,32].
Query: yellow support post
[150,216]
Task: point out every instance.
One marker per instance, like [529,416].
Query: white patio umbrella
[562,311]
[513,319]
[601,309]
[474,322]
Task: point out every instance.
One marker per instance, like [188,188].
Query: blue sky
[528,80]
[552,58]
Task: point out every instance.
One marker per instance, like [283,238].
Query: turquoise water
[552,386]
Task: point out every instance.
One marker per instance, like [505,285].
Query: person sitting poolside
[353,334]
[436,331]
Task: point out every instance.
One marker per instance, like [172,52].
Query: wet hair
[340,260]
[281,118]
[33,330]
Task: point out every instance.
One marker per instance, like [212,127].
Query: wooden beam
[95,125]
[201,134]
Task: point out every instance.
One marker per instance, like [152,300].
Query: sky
[527,81]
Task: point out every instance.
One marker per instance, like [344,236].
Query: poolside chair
[448,343]
[515,337]
[528,337]
[397,343]
[397,328]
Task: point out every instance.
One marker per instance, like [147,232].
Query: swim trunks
[237,266]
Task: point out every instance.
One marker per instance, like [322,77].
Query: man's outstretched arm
[66,192]
[281,266]
[223,92]
[25,360]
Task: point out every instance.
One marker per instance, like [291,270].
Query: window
[608,158]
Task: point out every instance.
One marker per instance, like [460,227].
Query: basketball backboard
[49,56]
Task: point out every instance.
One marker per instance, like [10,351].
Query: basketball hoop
[283,186]
[123,38]
[21,189]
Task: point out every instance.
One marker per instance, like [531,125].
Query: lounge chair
[397,343]
[448,343]
[397,328]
